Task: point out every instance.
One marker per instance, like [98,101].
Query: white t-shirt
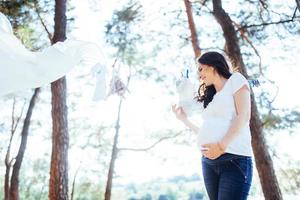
[218,115]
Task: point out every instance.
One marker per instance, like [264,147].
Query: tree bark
[58,184]
[7,169]
[298,4]
[264,163]
[6,180]
[114,156]
[8,161]
[14,182]
[192,28]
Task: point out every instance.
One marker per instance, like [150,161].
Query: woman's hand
[212,150]
[181,115]
[179,112]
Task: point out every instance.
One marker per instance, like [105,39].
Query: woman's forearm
[243,110]
[192,126]
[237,124]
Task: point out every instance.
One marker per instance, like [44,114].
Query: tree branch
[263,4]
[270,23]
[244,36]
[38,12]
[198,1]
[194,36]
[8,161]
[15,124]
[152,145]
[74,182]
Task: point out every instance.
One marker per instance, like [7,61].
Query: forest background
[133,147]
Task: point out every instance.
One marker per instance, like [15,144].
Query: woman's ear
[214,70]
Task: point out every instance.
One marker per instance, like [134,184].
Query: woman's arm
[243,109]
[181,115]
[192,126]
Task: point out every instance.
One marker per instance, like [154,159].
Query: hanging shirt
[100,92]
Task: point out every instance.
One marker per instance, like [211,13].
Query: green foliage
[282,119]
[145,197]
[196,196]
[33,179]
[166,197]
[23,16]
[122,34]
[291,179]
[121,25]
[275,118]
[26,36]
[173,188]
[18,11]
[86,190]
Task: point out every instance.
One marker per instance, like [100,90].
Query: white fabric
[186,96]
[23,69]
[99,72]
[218,115]
[5,25]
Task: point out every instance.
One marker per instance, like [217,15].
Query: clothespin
[254,83]
[187,73]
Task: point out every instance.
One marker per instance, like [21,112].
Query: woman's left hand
[212,150]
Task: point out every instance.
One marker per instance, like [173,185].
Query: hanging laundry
[23,69]
[99,72]
[117,86]
[186,94]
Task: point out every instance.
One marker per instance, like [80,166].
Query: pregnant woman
[224,135]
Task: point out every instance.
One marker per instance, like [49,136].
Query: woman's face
[206,74]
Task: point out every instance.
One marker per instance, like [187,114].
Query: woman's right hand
[179,112]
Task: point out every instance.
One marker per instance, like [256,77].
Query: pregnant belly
[212,131]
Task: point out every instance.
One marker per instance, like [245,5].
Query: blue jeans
[228,177]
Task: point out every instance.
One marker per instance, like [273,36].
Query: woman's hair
[218,62]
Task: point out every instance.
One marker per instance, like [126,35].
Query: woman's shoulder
[237,75]
[238,80]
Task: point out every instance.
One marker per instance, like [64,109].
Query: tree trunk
[114,156]
[7,169]
[298,4]
[6,181]
[192,27]
[14,182]
[264,163]
[58,188]
[58,184]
